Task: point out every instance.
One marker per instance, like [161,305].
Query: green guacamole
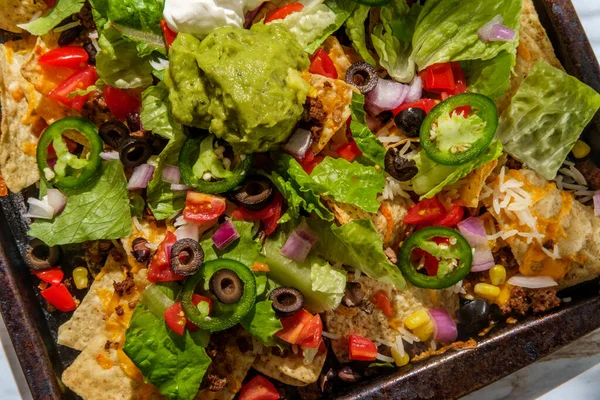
[242,85]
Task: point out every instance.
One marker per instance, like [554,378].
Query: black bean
[134,123]
[69,36]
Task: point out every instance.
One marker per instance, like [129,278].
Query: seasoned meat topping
[96,109]
[314,115]
[215,382]
[537,301]
[123,288]
[591,173]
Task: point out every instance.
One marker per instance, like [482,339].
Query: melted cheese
[104,361]
[537,263]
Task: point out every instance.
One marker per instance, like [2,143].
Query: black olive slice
[400,168]
[363,76]
[226,286]
[286,300]
[134,151]
[410,121]
[186,257]
[256,193]
[141,253]
[69,36]
[41,256]
[113,133]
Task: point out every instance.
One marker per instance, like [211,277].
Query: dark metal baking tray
[504,350]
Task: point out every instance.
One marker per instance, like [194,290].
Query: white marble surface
[572,373]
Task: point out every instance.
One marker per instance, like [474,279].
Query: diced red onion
[416,90]
[299,143]
[171,174]
[532,282]
[387,95]
[473,230]
[597,204]
[225,235]
[56,200]
[296,247]
[140,177]
[179,187]
[188,231]
[109,155]
[495,31]
[373,110]
[308,234]
[445,330]
[250,16]
[39,208]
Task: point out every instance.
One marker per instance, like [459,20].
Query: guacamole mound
[244,86]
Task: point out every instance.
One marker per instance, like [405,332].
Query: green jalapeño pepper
[450,248]
[459,128]
[204,171]
[223,316]
[70,170]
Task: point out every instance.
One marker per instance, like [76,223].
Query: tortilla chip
[150,231]
[337,54]
[534,46]
[15,12]
[291,369]
[20,126]
[375,326]
[472,184]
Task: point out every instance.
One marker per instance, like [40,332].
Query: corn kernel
[80,277]
[581,149]
[424,332]
[504,295]
[400,361]
[416,319]
[486,290]
[498,274]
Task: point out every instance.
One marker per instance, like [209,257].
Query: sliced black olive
[186,257]
[286,300]
[410,121]
[354,294]
[256,193]
[113,133]
[69,36]
[363,76]
[134,123]
[91,51]
[141,253]
[134,151]
[399,167]
[226,286]
[41,256]
[474,315]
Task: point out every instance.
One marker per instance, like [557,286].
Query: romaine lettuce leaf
[358,245]
[155,114]
[355,29]
[366,141]
[262,323]
[97,210]
[342,10]
[490,77]
[350,183]
[245,249]
[174,363]
[546,117]
[433,177]
[62,10]
[447,30]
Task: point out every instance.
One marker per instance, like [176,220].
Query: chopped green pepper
[452,250]
[197,157]
[223,316]
[70,170]
[453,137]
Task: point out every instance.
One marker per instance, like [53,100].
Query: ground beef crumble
[215,382]
[590,171]
[123,288]
[96,109]
[523,300]
[314,115]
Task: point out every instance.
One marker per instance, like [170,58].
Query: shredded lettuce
[355,29]
[433,177]
[326,279]
[490,77]
[62,10]
[546,117]
[97,210]
[366,141]
[447,30]
[155,114]
[262,322]
[245,249]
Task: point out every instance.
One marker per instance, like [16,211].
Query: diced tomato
[52,275]
[244,214]
[424,104]
[459,78]
[80,80]
[50,3]
[452,217]
[175,318]
[381,301]
[270,223]
[321,64]
[361,348]
[67,56]
[301,328]
[284,11]
[59,297]
[259,388]
[168,33]
[120,103]
[310,161]
[160,266]
[427,210]
[439,78]
[200,207]
[196,299]
[349,151]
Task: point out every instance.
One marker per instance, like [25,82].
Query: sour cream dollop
[201,17]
